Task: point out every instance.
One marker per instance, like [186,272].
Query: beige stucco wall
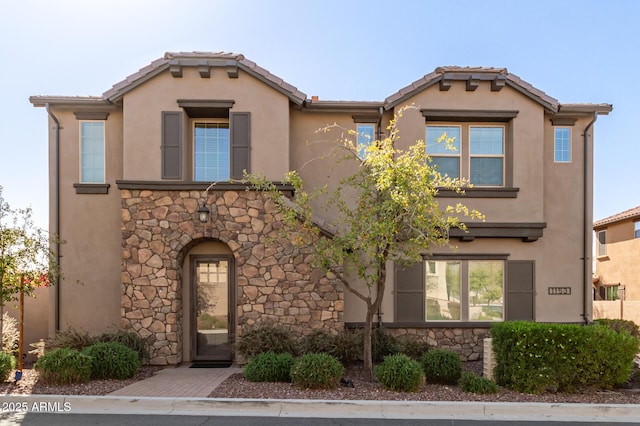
[90,228]
[621,265]
[143,108]
[36,311]
[616,309]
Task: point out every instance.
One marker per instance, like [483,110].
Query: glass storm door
[211,336]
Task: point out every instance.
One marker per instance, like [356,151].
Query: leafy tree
[386,210]
[26,259]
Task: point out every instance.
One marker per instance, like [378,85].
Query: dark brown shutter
[240,143]
[171,145]
[410,293]
[520,290]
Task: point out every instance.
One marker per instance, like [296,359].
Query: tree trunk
[367,356]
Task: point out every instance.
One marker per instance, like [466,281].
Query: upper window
[92,152]
[562,145]
[636,229]
[365,137]
[476,152]
[464,290]
[602,243]
[211,151]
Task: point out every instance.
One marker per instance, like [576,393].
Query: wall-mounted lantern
[203,213]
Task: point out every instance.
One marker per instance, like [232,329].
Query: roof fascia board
[75,102]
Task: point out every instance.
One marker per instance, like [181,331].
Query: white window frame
[555,145]
[501,156]
[193,123]
[81,167]
[361,146]
[451,153]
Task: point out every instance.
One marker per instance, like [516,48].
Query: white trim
[555,146]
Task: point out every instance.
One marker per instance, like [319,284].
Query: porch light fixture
[203,213]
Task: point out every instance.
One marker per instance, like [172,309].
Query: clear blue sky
[574,50]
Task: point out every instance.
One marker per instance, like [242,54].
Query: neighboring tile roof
[625,215]
[195,59]
[440,73]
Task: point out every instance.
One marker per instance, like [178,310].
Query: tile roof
[627,214]
[441,73]
[203,58]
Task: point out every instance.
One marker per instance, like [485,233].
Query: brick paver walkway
[181,381]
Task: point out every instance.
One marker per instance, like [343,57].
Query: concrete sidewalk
[492,411]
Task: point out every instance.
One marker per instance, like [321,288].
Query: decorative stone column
[274,279]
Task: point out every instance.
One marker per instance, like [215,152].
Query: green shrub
[383,344]
[63,366]
[7,363]
[400,373]
[442,366]
[131,340]
[269,367]
[470,382]
[316,371]
[112,360]
[319,341]
[620,324]
[535,357]
[348,345]
[70,339]
[10,334]
[266,337]
[413,348]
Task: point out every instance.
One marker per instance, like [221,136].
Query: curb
[321,408]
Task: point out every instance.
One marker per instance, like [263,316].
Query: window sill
[602,258]
[481,193]
[91,188]
[429,324]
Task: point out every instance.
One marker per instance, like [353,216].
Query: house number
[555,291]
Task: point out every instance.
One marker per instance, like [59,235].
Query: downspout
[586,254]
[378,137]
[56,209]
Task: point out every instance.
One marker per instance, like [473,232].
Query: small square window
[562,145]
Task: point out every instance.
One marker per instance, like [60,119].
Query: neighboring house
[131,174]
[617,275]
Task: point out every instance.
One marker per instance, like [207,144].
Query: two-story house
[617,274]
[188,264]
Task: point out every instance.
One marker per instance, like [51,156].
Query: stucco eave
[73,102]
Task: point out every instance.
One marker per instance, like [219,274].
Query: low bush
[112,360]
[471,382]
[348,345]
[400,373]
[316,371]
[63,366]
[265,337]
[70,339]
[10,334]
[319,341]
[131,340]
[442,366]
[619,325]
[7,364]
[536,357]
[383,344]
[413,348]
[269,367]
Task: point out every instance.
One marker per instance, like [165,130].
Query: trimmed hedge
[269,367]
[63,366]
[535,357]
[112,360]
[400,373]
[442,366]
[7,363]
[316,371]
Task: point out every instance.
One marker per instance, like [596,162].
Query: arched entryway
[208,291]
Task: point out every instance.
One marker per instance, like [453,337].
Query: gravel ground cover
[237,386]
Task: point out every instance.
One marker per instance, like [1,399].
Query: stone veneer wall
[467,342]
[274,280]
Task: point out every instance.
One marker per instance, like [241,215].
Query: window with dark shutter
[240,143]
[171,145]
[520,290]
